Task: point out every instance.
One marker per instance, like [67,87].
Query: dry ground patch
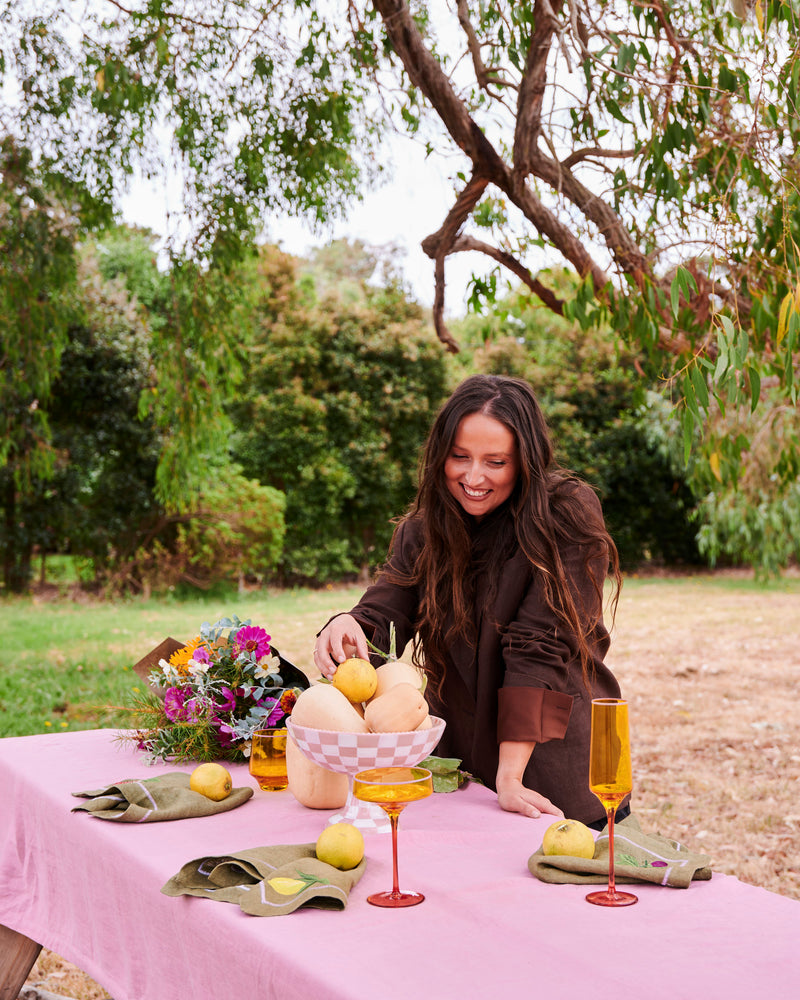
[712,672]
[711,667]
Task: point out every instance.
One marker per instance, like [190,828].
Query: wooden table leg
[17,955]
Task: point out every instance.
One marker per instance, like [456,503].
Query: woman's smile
[483,464]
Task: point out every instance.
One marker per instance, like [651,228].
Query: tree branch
[547,296]
[438,245]
[425,73]
[484,76]
[584,154]
[531,91]
[627,254]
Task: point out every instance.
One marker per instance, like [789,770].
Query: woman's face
[483,464]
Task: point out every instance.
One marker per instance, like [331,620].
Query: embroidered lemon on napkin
[267,881]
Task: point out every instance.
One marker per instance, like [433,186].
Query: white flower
[197,669]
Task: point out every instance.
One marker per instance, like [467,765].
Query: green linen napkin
[267,881]
[149,800]
[638,857]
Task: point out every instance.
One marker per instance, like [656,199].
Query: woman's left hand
[513,796]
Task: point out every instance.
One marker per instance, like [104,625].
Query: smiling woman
[483,464]
[496,575]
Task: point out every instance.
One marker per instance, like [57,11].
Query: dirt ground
[712,674]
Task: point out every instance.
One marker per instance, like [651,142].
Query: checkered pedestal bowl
[354,752]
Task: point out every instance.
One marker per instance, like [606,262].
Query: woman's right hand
[341,638]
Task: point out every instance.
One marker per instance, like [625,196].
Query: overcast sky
[403,211]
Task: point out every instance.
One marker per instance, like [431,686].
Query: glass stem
[612,888]
[393,818]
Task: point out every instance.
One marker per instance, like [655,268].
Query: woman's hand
[341,638]
[513,796]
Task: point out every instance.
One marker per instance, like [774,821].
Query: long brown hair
[548,506]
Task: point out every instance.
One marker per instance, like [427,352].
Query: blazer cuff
[532,715]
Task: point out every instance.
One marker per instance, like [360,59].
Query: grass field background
[64,664]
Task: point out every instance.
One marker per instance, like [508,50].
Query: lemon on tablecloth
[341,845]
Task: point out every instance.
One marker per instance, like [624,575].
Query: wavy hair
[548,506]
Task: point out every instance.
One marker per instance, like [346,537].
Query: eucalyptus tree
[650,146]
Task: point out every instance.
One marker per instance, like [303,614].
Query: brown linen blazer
[522,681]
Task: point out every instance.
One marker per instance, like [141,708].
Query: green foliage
[99,489]
[604,427]
[237,531]
[254,95]
[667,182]
[762,529]
[337,401]
[37,280]
[233,531]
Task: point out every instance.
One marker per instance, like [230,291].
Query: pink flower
[175,704]
[225,735]
[276,713]
[252,639]
[229,700]
[194,709]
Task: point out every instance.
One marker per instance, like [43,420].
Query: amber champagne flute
[392,788]
[610,779]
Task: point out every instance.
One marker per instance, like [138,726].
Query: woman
[496,575]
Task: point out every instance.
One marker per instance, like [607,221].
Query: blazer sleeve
[385,602]
[541,657]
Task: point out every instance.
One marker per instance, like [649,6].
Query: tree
[37,304]
[97,489]
[650,146]
[606,426]
[336,403]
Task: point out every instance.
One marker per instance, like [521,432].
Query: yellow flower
[180,658]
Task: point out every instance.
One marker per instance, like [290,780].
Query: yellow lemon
[211,780]
[569,837]
[356,679]
[341,845]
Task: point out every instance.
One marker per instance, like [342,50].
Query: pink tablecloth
[89,890]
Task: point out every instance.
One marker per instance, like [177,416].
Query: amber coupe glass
[392,788]
[610,779]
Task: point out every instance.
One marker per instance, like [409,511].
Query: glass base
[392,899]
[606,898]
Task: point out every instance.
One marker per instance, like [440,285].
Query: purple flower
[659,864]
[276,712]
[229,700]
[225,735]
[197,708]
[253,639]
[200,655]
[175,704]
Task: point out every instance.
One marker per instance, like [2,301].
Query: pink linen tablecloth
[89,890]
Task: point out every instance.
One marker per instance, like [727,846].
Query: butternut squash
[397,672]
[321,706]
[312,785]
[401,709]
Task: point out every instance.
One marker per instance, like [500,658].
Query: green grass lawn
[64,665]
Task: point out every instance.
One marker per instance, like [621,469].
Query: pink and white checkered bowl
[354,752]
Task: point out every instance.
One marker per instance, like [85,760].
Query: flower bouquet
[211,694]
